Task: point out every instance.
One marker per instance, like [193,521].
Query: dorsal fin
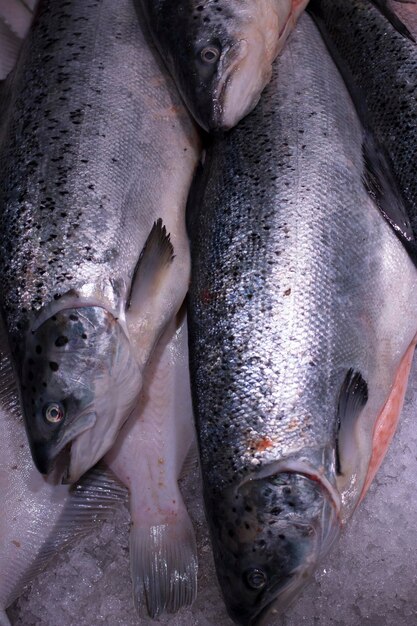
[381,185]
[392,17]
[156,256]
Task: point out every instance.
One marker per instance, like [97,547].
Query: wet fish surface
[96,158]
[148,458]
[220,52]
[373,44]
[38,517]
[301,321]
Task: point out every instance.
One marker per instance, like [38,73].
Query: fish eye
[54,413]
[255,578]
[210,54]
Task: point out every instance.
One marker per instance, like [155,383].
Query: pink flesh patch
[386,423]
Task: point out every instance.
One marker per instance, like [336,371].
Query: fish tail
[163,566]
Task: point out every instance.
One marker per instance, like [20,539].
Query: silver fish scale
[383,64]
[287,271]
[75,210]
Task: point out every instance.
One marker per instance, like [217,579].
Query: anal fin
[163,566]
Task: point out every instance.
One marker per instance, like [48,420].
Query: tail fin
[163,566]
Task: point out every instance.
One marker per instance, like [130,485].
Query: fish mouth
[47,456]
[222,115]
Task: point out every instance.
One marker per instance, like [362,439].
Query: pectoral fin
[90,501]
[352,398]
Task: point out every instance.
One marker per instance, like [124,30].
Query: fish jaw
[79,383]
[242,40]
[245,72]
[268,536]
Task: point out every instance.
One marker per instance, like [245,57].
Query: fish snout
[51,453]
[44,458]
[269,534]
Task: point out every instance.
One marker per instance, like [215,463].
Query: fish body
[379,64]
[301,313]
[96,158]
[220,52]
[38,517]
[148,458]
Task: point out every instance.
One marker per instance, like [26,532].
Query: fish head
[78,386]
[221,55]
[268,536]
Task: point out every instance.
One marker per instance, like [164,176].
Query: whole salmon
[96,158]
[302,318]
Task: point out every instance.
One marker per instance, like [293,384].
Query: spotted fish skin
[96,158]
[295,338]
[220,52]
[382,71]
